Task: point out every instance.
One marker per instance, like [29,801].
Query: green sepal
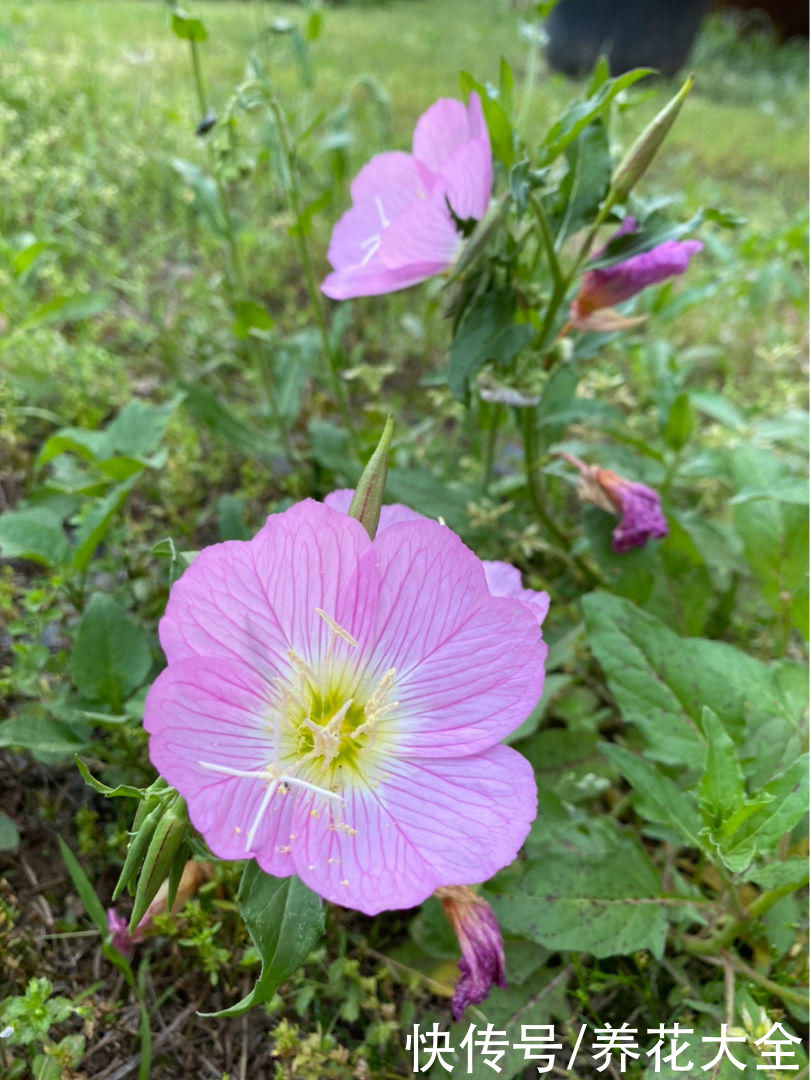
[144,825]
[176,873]
[163,846]
[368,495]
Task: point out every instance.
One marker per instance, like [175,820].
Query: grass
[96,102]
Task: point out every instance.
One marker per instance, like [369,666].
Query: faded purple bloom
[482,964]
[334,707]
[503,579]
[639,505]
[399,230]
[601,289]
[120,937]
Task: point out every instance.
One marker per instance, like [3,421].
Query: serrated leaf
[661,682]
[577,116]
[787,803]
[112,656]
[285,920]
[606,905]
[793,871]
[721,790]
[663,801]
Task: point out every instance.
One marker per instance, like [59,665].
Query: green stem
[547,242]
[537,493]
[235,273]
[315,298]
[491,444]
[723,938]
[786,993]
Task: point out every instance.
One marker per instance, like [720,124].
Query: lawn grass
[97,102]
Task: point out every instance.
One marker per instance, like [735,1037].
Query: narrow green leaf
[93,906]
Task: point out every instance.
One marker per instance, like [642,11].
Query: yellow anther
[337,629]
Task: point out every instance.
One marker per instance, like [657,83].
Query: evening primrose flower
[600,289]
[503,579]
[403,223]
[333,706]
[482,963]
[639,505]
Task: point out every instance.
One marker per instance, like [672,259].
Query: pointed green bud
[646,146]
[145,823]
[368,495]
[166,839]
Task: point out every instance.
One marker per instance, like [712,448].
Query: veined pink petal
[380,191]
[505,580]
[219,712]
[444,128]
[416,826]
[422,238]
[467,179]
[253,600]
[436,624]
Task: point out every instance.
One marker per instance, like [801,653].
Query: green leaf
[85,443]
[138,429]
[680,422]
[721,791]
[41,734]
[97,522]
[68,309]
[586,182]
[248,316]
[187,27]
[793,871]
[661,682]
[205,406]
[93,906]
[285,920]
[605,903]
[33,533]
[579,115]
[103,789]
[487,332]
[112,656]
[786,804]
[9,834]
[662,801]
[207,202]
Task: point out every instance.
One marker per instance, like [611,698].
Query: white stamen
[266,774]
[268,795]
[383,219]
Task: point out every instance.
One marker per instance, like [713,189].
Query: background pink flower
[399,229]
[334,706]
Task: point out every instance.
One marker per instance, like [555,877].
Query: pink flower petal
[443,129]
[253,600]
[422,239]
[467,179]
[219,712]
[504,580]
[416,826]
[437,625]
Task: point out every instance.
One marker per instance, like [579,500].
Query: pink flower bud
[639,505]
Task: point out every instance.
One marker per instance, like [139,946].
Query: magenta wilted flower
[333,707]
[482,964]
[400,229]
[639,505]
[602,288]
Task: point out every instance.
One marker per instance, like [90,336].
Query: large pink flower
[400,229]
[333,706]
